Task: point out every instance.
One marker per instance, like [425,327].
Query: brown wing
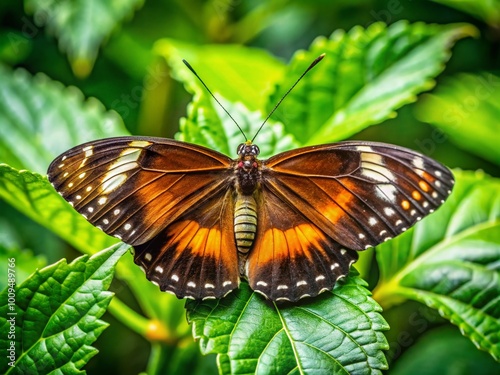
[359,193]
[171,200]
[292,258]
[133,187]
[319,204]
[196,255]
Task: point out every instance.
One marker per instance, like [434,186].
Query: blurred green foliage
[56,54]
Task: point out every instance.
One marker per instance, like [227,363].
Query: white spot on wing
[191,284]
[175,277]
[159,269]
[139,144]
[263,283]
[372,221]
[418,162]
[282,287]
[389,211]
[148,256]
[387,192]
[301,282]
[364,148]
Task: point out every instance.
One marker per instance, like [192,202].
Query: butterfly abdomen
[245,222]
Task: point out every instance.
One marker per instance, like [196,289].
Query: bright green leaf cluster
[366,76]
[466,109]
[453,268]
[57,115]
[339,332]
[69,21]
[57,313]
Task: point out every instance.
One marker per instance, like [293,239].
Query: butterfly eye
[245,149]
[241,148]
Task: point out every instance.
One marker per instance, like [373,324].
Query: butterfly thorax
[247,170]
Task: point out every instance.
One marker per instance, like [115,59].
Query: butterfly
[291,225]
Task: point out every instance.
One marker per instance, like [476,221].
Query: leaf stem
[129,317]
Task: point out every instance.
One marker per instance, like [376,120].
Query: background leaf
[455,268]
[57,314]
[337,332]
[237,73]
[57,115]
[441,351]
[366,76]
[465,108]
[81,26]
[486,10]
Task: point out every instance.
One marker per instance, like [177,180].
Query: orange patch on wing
[416,195]
[213,240]
[278,245]
[423,185]
[182,233]
[334,211]
[405,204]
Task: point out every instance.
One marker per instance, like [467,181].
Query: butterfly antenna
[313,64]
[213,96]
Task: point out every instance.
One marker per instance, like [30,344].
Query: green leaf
[32,194]
[486,10]
[453,268]
[81,26]
[444,351]
[56,314]
[207,124]
[466,109]
[338,332]
[237,73]
[366,76]
[40,119]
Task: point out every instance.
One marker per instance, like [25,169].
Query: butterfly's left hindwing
[293,258]
[196,256]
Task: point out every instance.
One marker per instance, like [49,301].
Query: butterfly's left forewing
[170,200]
[359,193]
[319,204]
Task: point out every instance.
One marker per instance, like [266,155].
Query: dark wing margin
[359,193]
[133,187]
